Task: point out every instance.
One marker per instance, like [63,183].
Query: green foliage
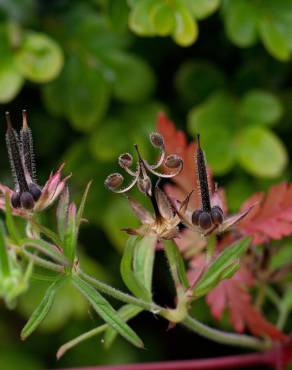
[240,131]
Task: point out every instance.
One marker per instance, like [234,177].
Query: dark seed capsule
[195,216]
[217,215]
[157,140]
[113,181]
[125,160]
[173,161]
[35,191]
[144,185]
[26,200]
[205,221]
[15,200]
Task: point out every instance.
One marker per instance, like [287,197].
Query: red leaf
[271,218]
[233,295]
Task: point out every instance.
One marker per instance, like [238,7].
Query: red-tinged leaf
[271,217]
[176,143]
[232,294]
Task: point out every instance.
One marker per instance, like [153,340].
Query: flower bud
[173,161]
[145,186]
[157,140]
[113,181]
[125,160]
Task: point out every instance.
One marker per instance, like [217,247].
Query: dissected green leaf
[176,263]
[11,82]
[202,8]
[162,18]
[224,266]
[106,311]
[261,152]
[186,29]
[129,277]
[139,20]
[126,312]
[42,309]
[39,58]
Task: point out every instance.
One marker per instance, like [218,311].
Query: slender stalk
[194,325]
[219,336]
[72,343]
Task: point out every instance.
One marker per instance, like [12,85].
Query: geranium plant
[226,259]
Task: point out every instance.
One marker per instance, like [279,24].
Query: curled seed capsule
[15,200]
[145,186]
[217,215]
[26,200]
[35,191]
[125,160]
[195,216]
[113,181]
[205,221]
[173,161]
[157,140]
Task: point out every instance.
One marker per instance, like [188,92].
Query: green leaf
[4,257]
[42,309]
[128,275]
[186,28]
[82,205]
[162,18]
[106,311]
[223,267]
[215,121]
[143,262]
[126,312]
[139,19]
[11,82]
[260,152]
[70,236]
[62,212]
[39,58]
[10,224]
[48,233]
[133,79]
[176,264]
[274,38]
[46,248]
[241,22]
[118,14]
[259,106]
[202,8]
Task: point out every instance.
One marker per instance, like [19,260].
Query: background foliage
[93,75]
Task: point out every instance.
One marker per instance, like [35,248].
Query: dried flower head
[141,175]
[27,195]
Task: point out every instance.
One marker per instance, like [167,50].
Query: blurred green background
[92,75]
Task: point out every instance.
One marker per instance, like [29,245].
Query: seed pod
[15,200]
[35,191]
[26,200]
[145,186]
[195,216]
[125,160]
[173,161]
[203,177]
[205,221]
[217,215]
[157,140]
[113,181]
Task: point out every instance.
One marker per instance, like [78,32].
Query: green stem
[240,340]
[196,326]
[72,343]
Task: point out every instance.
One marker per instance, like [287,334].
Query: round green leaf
[202,8]
[186,28]
[162,18]
[259,106]
[139,21]
[133,78]
[11,82]
[260,152]
[241,22]
[39,59]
